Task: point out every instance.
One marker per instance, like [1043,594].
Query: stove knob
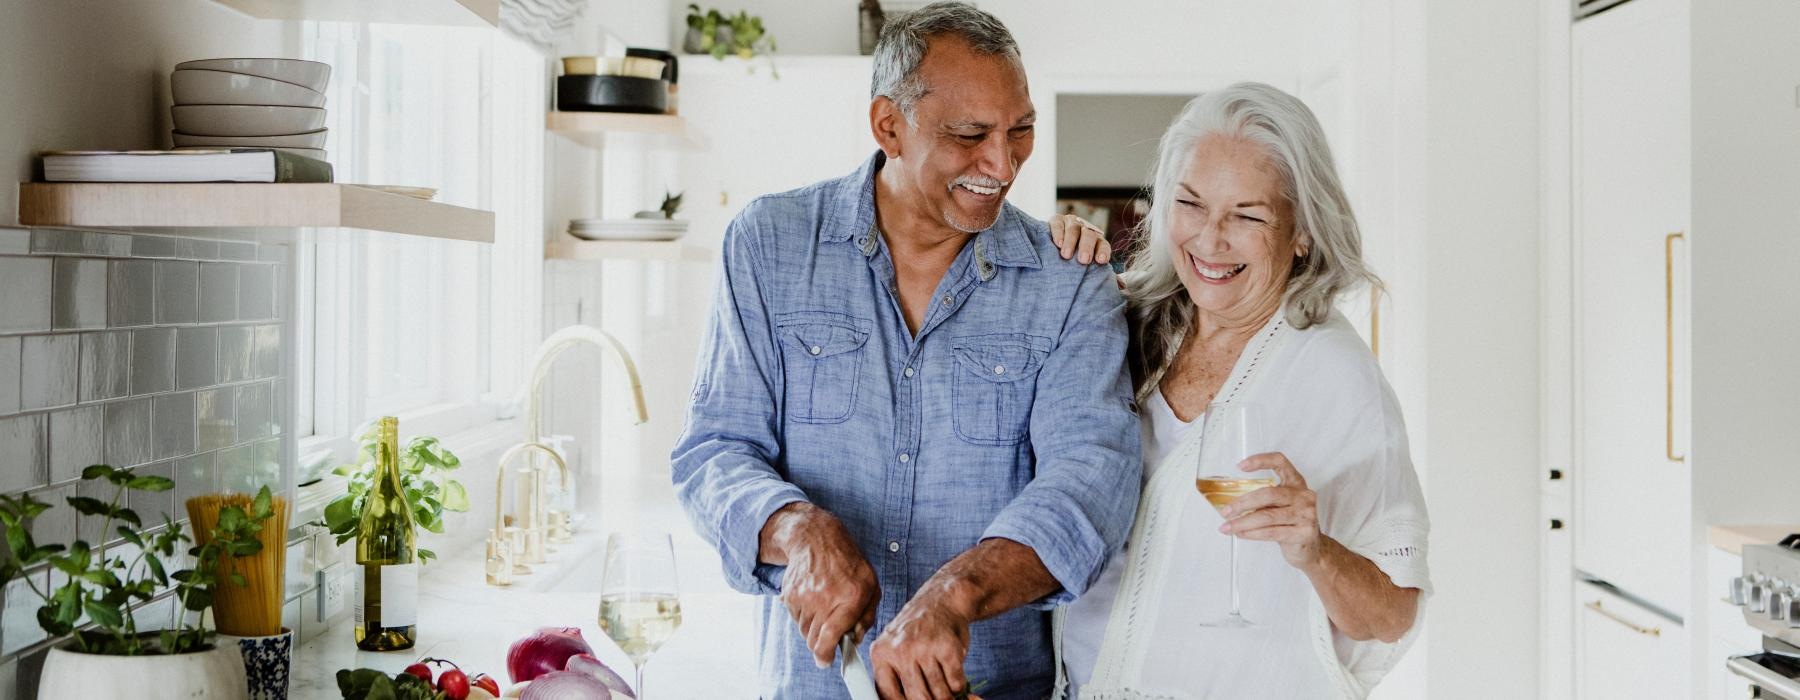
[1759,597]
[1793,612]
[1778,605]
[1739,590]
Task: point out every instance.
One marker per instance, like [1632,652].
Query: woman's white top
[1319,397]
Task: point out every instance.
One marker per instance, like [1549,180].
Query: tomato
[454,683]
[420,670]
[487,683]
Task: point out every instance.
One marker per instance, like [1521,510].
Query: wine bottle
[387,592]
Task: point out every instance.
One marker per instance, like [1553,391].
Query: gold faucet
[506,542]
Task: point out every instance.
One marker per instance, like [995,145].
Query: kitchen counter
[466,621]
[1732,538]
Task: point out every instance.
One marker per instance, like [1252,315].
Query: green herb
[370,684]
[105,582]
[424,469]
[741,34]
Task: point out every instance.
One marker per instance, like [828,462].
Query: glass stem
[1234,590]
[639,667]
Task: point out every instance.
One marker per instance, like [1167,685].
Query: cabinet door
[1631,145]
[1624,651]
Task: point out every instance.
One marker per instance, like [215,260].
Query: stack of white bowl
[274,103]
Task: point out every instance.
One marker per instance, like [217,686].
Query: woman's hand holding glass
[1286,513]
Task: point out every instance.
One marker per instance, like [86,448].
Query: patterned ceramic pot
[267,661]
[214,674]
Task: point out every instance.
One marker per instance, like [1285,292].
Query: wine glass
[640,605]
[1229,429]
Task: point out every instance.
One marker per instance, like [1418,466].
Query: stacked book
[210,165]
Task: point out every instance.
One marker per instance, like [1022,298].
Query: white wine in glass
[1225,444]
[640,603]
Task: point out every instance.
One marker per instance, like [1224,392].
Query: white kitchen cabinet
[1630,194]
[1624,650]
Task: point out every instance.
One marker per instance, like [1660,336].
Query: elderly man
[911,418]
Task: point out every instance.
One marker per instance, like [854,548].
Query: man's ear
[886,121]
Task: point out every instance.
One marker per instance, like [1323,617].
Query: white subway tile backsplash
[131,298]
[265,359]
[195,353]
[256,292]
[235,250]
[218,292]
[193,476]
[78,293]
[196,249]
[18,619]
[246,468]
[25,285]
[58,523]
[151,506]
[9,374]
[215,418]
[172,421]
[67,242]
[152,247]
[255,411]
[177,291]
[128,439]
[152,360]
[48,369]
[77,440]
[105,366]
[22,448]
[236,348]
[15,241]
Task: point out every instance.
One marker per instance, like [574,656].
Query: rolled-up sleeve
[1077,510]
[723,466]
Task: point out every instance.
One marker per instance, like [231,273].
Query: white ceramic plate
[311,75]
[626,234]
[316,153]
[214,87]
[246,120]
[310,139]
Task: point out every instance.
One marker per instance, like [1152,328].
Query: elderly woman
[1250,241]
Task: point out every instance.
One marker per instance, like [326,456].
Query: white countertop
[464,620]
[1732,538]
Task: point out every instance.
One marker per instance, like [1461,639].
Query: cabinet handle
[1556,524]
[1594,605]
[1556,475]
[1375,322]
[1669,347]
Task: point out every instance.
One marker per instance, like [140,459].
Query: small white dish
[310,139]
[215,87]
[246,120]
[315,153]
[311,75]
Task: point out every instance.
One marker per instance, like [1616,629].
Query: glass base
[1233,621]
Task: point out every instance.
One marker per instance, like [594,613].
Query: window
[426,329]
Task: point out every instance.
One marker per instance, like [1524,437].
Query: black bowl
[611,93]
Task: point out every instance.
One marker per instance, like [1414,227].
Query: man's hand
[919,655]
[1075,237]
[829,588]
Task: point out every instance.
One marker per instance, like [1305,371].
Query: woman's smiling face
[1231,230]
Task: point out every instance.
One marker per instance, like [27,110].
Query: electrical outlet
[334,591]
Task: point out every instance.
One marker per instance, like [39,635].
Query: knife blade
[856,674]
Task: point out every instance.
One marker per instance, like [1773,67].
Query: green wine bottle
[387,592]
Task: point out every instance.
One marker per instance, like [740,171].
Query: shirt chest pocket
[822,354]
[996,382]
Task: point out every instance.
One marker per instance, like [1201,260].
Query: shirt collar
[1006,243]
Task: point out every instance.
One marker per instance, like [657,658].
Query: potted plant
[424,474]
[110,656]
[742,35]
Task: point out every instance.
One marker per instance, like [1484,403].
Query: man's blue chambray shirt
[1008,415]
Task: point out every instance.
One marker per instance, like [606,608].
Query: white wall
[1110,140]
[1481,340]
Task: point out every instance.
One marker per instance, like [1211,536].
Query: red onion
[541,652]
[589,664]
[566,685]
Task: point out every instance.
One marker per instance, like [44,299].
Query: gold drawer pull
[1669,347]
[1610,615]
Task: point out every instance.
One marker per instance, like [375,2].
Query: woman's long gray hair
[1158,306]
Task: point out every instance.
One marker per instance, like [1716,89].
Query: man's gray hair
[903,41]
[1158,306]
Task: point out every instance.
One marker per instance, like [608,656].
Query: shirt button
[815,350]
[904,458]
[947,300]
[909,372]
[998,369]
[893,546]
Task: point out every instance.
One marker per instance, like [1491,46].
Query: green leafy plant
[370,684]
[424,476]
[105,582]
[721,35]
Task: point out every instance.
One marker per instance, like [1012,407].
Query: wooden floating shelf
[591,128]
[466,13]
[571,248]
[238,206]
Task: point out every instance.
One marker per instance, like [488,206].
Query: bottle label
[399,595]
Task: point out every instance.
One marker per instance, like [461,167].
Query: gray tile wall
[158,353]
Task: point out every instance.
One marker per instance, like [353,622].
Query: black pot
[611,93]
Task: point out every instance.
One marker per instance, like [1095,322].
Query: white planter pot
[215,674]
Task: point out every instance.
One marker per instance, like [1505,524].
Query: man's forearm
[991,578]
[783,528]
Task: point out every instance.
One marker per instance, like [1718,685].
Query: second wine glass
[640,603]
[1226,443]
